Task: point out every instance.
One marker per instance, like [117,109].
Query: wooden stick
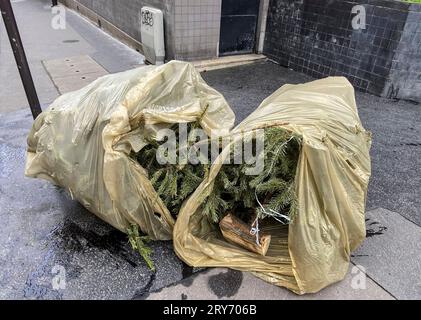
[238,232]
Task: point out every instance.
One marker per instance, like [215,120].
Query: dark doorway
[238,26]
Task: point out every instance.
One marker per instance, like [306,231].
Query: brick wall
[317,37]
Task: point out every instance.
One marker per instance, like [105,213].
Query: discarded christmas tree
[250,197]
[173,182]
[271,192]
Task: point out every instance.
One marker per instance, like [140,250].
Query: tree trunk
[238,232]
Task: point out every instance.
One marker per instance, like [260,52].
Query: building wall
[404,80]
[191,26]
[197,27]
[316,37]
[126,16]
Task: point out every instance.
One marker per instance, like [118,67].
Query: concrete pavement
[385,267]
[223,284]
[44,230]
[42,42]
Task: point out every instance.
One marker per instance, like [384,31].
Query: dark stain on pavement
[411,144]
[144,292]
[225,284]
[68,239]
[187,273]
[374,228]
[73,238]
[186,282]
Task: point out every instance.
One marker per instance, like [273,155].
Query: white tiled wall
[197,26]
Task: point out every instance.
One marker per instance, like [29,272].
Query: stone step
[227,62]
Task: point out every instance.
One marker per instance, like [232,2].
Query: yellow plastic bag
[331,184]
[84,140]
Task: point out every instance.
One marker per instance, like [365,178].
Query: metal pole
[20,57]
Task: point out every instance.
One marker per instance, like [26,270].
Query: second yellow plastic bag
[331,184]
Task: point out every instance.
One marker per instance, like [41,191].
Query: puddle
[225,284]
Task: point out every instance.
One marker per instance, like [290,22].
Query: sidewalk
[43,228]
[43,43]
[385,267]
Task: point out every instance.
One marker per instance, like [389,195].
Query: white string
[274,214]
[255,230]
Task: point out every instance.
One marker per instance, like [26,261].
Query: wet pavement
[43,230]
[42,42]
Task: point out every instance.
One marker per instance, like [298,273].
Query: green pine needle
[233,189]
[274,185]
[138,243]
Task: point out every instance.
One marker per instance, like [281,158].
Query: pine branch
[274,184]
[138,243]
[233,188]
